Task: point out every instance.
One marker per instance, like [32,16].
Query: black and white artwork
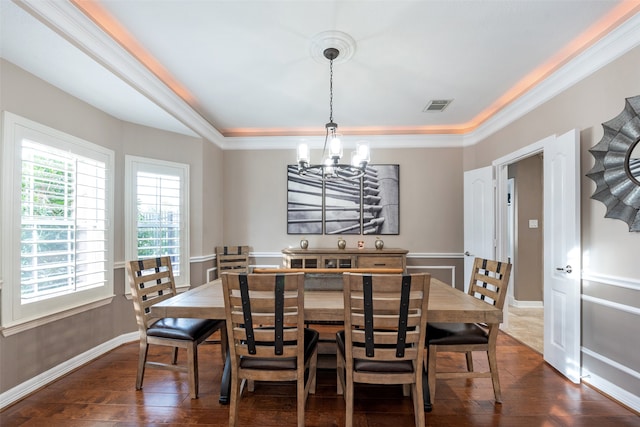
[368,205]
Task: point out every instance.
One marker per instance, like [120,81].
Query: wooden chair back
[151,282]
[385,316]
[232,258]
[265,314]
[489,281]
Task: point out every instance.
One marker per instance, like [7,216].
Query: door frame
[501,174]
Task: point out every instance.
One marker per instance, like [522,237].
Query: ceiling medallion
[343,42]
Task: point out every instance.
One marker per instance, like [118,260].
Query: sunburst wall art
[616,171]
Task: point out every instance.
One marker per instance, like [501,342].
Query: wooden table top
[446,304]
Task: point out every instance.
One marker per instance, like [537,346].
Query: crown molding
[77,28]
[612,46]
[375,141]
[68,21]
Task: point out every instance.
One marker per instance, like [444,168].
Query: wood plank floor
[102,393]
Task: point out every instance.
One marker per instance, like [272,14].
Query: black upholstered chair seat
[365,365]
[310,342]
[456,333]
[182,328]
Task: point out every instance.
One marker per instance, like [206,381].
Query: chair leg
[192,363]
[431,371]
[300,398]
[418,402]
[469,356]
[348,395]
[234,394]
[493,367]
[313,369]
[340,373]
[224,343]
[174,356]
[142,361]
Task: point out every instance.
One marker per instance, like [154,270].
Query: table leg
[426,396]
[225,383]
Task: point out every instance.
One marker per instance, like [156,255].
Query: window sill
[30,324]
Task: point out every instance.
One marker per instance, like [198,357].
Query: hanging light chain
[331,91]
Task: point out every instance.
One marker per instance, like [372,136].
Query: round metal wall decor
[616,171]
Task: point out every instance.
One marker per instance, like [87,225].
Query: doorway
[525,310]
[562,264]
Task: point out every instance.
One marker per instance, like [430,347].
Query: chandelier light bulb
[328,169]
[303,153]
[335,146]
[363,151]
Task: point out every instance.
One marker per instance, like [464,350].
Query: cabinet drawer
[365,261]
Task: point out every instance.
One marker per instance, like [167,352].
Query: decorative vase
[304,243]
[342,243]
[379,243]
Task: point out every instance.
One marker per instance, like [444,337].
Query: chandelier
[332,166]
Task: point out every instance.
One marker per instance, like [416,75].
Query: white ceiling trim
[77,28]
[612,46]
[316,142]
[72,24]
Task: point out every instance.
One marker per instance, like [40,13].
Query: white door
[478,218]
[562,263]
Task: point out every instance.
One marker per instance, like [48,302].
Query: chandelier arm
[326,138]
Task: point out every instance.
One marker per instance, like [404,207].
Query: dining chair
[383,340]
[489,281]
[232,258]
[267,337]
[151,282]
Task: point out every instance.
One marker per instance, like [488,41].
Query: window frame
[16,316]
[133,165]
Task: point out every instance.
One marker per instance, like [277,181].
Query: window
[56,207]
[156,213]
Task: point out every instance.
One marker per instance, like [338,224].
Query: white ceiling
[244,70]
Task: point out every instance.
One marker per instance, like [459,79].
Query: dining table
[446,304]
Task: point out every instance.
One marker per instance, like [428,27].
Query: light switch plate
[533,223]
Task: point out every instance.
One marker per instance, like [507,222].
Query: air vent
[436,105]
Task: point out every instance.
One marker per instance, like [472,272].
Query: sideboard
[344,258]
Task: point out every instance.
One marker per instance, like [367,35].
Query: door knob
[466,253]
[567,269]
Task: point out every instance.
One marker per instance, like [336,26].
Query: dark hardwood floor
[102,393]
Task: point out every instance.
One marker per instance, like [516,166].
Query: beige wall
[27,354]
[528,251]
[255,204]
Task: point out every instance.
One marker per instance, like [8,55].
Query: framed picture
[368,205]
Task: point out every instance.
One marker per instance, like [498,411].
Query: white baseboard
[526,304]
[22,390]
[623,396]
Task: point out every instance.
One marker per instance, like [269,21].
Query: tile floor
[527,326]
